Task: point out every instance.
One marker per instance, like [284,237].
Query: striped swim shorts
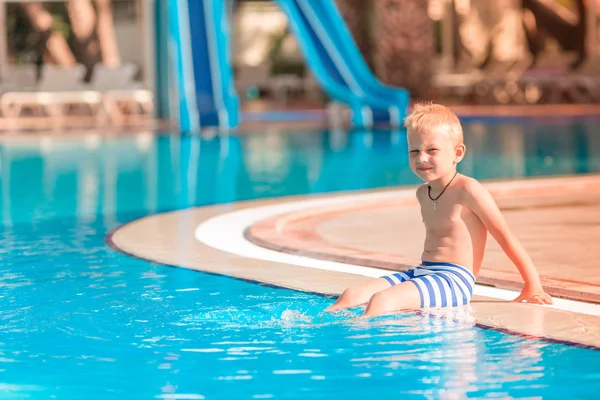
[440,284]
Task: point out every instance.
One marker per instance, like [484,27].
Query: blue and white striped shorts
[440,284]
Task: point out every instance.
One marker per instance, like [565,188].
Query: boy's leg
[404,296]
[358,295]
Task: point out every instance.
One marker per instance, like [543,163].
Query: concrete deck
[558,227]
[557,220]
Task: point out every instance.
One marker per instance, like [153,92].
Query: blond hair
[428,116]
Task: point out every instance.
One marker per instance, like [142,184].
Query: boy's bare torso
[454,234]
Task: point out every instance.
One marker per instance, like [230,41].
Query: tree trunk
[83,23]
[55,45]
[404,49]
[356,15]
[106,34]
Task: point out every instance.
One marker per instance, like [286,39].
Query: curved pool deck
[323,244]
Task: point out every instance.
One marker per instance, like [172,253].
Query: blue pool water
[81,321]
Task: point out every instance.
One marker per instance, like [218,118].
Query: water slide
[195,79]
[196,87]
[337,64]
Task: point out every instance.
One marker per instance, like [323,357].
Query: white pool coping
[225,232]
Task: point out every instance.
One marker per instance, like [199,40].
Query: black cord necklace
[440,195]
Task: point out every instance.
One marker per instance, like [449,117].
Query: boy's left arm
[481,202]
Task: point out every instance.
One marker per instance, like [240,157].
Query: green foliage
[281,65]
[24,43]
[60,23]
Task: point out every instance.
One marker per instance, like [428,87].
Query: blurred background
[200,64]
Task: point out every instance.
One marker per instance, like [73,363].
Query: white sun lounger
[58,87]
[118,85]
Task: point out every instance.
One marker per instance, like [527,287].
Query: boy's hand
[534,294]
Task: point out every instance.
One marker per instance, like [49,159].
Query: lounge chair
[14,78]
[118,86]
[312,87]
[253,76]
[58,87]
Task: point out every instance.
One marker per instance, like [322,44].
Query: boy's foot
[332,308]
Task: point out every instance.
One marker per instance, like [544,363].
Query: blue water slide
[339,36]
[201,90]
[334,63]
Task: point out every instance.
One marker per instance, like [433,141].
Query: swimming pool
[79,320]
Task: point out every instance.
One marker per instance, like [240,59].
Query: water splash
[292,317]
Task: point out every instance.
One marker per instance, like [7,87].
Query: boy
[457,212]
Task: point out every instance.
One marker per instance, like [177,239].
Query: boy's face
[433,154]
